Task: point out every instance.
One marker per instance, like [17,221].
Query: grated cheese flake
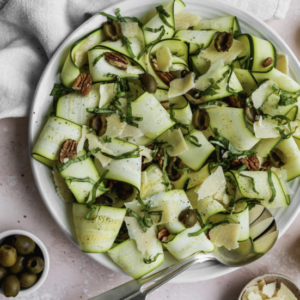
[130,29]
[269,289]
[164,59]
[260,95]
[115,127]
[186,20]
[107,93]
[225,235]
[180,86]
[285,293]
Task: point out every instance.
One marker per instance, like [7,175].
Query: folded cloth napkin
[31,30]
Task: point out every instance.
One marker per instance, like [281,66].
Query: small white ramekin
[268,278]
[44,250]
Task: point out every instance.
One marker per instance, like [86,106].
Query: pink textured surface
[72,274]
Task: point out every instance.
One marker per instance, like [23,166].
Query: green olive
[223,41]
[200,119]
[11,286]
[112,30]
[104,200]
[35,265]
[188,218]
[19,266]
[174,163]
[123,190]
[8,256]
[3,272]
[251,113]
[99,124]
[194,96]
[277,158]
[23,244]
[148,83]
[28,279]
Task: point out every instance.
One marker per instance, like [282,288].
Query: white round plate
[42,105]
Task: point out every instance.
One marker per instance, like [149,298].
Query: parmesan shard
[260,95]
[252,289]
[130,29]
[285,293]
[269,289]
[84,132]
[164,59]
[115,127]
[225,235]
[175,138]
[214,72]
[212,185]
[186,20]
[180,86]
[107,93]
[146,241]
[282,63]
[62,190]
[253,296]
[146,153]
[134,70]
[131,131]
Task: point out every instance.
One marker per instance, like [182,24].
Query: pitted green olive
[8,256]
[194,96]
[124,190]
[251,113]
[200,119]
[188,218]
[180,73]
[112,30]
[99,124]
[3,272]
[19,266]
[28,279]
[23,244]
[11,286]
[104,200]
[277,158]
[148,83]
[223,41]
[174,163]
[35,265]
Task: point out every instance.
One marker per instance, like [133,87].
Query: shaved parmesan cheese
[252,289]
[214,72]
[80,57]
[146,153]
[84,132]
[130,29]
[261,284]
[175,138]
[285,293]
[211,54]
[211,185]
[282,63]
[269,289]
[107,92]
[114,126]
[260,95]
[266,128]
[146,241]
[225,235]
[253,296]
[180,86]
[164,59]
[134,69]
[186,20]
[131,131]
[62,190]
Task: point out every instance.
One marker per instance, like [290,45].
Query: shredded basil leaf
[108,16]
[135,19]
[125,41]
[207,227]
[271,185]
[87,179]
[167,182]
[252,181]
[173,118]
[129,154]
[163,15]
[107,139]
[138,218]
[151,260]
[97,59]
[180,170]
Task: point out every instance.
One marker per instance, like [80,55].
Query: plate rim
[221,6]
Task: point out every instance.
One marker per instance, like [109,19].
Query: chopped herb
[173,118]
[237,152]
[107,139]
[252,181]
[193,139]
[58,91]
[109,16]
[163,15]
[248,102]
[167,182]
[129,154]
[138,218]
[134,19]
[87,179]
[89,215]
[242,168]
[285,98]
[207,227]
[271,185]
[97,59]
[180,170]
[149,260]
[127,43]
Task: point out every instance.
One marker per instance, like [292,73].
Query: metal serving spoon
[263,236]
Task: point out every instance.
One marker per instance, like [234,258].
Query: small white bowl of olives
[24,263]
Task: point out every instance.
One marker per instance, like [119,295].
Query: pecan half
[235,163]
[267,62]
[252,163]
[116,60]
[166,104]
[68,150]
[163,234]
[234,102]
[83,83]
[265,166]
[166,77]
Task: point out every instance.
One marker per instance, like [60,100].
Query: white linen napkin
[31,30]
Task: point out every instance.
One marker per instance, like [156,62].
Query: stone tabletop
[73,275]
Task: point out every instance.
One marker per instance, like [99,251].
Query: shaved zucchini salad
[172,134]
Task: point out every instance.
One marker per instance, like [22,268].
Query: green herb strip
[138,218]
[78,159]
[150,261]
[127,43]
[129,154]
[97,59]
[271,185]
[180,170]
[207,227]
[87,179]
[163,15]
[252,181]
[107,139]
[173,118]
[194,140]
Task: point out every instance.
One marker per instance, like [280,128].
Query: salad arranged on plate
[172,134]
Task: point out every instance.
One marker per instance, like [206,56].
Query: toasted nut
[68,150]
[166,77]
[252,163]
[265,166]
[110,185]
[116,60]
[267,62]
[163,234]
[161,161]
[83,83]
[166,104]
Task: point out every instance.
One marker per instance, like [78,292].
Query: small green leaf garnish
[138,218]
[97,59]
[149,260]
[87,179]
[107,139]
[130,154]
[163,15]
